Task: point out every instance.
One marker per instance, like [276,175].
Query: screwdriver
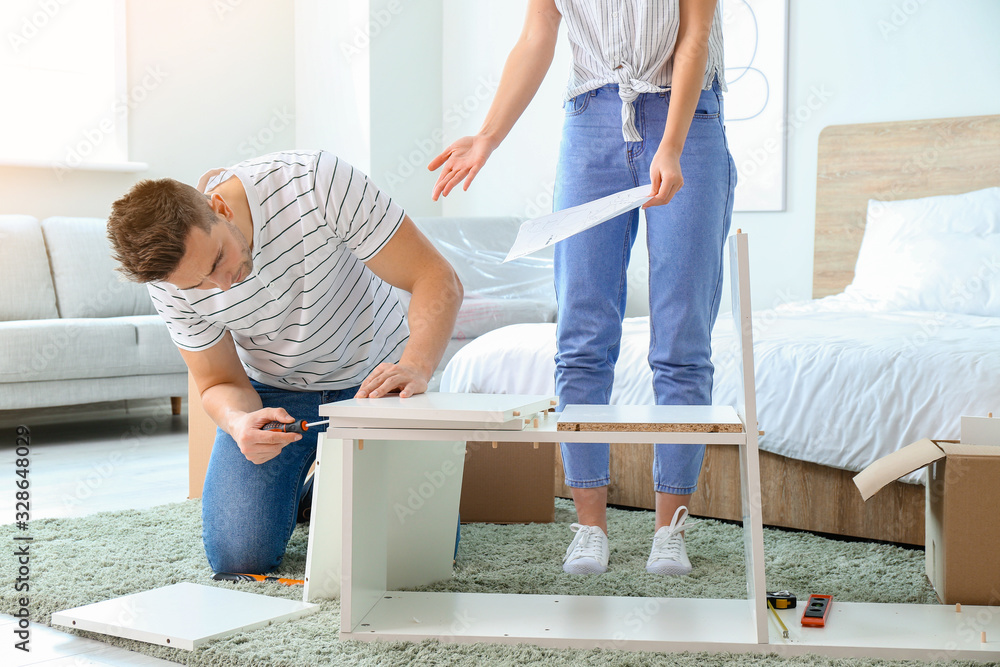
[295,427]
[232,576]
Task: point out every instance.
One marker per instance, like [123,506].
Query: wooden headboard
[888,161]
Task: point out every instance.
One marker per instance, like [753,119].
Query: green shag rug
[81,561]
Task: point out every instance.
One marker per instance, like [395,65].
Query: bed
[901,338]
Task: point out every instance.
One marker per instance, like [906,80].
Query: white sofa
[72,331]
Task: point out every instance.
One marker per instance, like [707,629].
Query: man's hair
[149,226]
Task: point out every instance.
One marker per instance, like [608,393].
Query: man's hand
[463,159]
[387,378]
[665,176]
[257,445]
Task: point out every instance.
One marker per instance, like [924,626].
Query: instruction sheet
[542,232]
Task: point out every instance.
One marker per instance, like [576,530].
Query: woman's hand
[665,176]
[462,160]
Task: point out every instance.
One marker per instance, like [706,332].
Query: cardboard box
[511,483]
[962,531]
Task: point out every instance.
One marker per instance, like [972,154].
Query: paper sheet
[542,232]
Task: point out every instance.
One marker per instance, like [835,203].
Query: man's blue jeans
[249,510]
[685,239]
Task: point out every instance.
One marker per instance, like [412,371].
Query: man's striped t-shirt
[310,316]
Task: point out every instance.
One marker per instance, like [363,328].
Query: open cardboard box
[962,520]
[511,482]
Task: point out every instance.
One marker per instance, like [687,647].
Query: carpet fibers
[80,561]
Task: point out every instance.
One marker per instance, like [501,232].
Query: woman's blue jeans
[685,239]
[249,510]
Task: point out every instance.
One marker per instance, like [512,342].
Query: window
[62,68]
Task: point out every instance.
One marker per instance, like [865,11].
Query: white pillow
[934,253]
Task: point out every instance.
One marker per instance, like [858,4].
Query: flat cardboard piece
[511,483]
[895,465]
[183,616]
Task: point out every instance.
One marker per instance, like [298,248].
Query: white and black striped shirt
[310,316]
[631,43]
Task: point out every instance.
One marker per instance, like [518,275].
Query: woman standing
[644,98]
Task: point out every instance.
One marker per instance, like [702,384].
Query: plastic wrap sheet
[496,294]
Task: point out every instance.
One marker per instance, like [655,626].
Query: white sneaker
[669,555]
[588,552]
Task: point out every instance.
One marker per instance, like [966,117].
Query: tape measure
[781,599]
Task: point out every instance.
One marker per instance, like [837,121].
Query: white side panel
[889,631]
[981,430]
[753,533]
[184,616]
[439,410]
[365,552]
[424,486]
[323,558]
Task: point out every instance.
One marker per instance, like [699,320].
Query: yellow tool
[778,619]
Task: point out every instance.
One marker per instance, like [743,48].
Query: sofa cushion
[83,271]
[74,348]
[28,293]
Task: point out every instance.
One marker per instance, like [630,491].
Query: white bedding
[837,384]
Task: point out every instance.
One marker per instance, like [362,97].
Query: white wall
[853,61]
[368,87]
[241,77]
[211,83]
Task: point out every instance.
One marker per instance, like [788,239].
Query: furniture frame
[858,162]
[377,556]
[358,550]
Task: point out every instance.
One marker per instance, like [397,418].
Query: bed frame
[885,161]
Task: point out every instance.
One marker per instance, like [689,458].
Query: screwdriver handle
[295,427]
[232,576]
